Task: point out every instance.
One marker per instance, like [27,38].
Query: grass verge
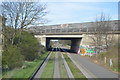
[76,72]
[26,72]
[62,68]
[112,54]
[49,68]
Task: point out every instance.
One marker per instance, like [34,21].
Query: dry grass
[112,53]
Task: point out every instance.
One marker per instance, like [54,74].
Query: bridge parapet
[69,31]
[72,28]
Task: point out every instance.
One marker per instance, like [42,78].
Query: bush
[29,46]
[25,47]
[42,49]
[11,57]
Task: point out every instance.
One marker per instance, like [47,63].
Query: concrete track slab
[69,73]
[40,71]
[56,67]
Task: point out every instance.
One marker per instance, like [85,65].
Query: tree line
[18,44]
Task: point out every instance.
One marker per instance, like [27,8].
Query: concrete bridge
[74,32]
[75,40]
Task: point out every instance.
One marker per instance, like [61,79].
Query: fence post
[111,63]
[105,60]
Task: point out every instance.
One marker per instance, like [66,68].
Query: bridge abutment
[75,43]
[41,39]
[48,47]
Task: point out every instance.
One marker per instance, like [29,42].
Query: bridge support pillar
[75,43]
[48,47]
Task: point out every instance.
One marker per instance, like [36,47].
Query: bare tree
[23,14]
[101,28]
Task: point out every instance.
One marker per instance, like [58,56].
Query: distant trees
[65,42]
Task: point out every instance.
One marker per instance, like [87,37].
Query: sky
[78,11]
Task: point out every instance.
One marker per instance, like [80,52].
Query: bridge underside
[75,43]
[75,40]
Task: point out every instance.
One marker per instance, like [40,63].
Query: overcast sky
[78,11]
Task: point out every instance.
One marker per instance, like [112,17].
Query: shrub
[11,57]
[29,46]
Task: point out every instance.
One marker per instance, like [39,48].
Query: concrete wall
[42,40]
[48,44]
[76,41]
[87,39]
[87,47]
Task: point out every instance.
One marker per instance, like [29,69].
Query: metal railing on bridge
[67,31]
[73,28]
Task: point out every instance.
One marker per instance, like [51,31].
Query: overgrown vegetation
[27,71]
[104,58]
[28,45]
[18,45]
[11,57]
[26,49]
